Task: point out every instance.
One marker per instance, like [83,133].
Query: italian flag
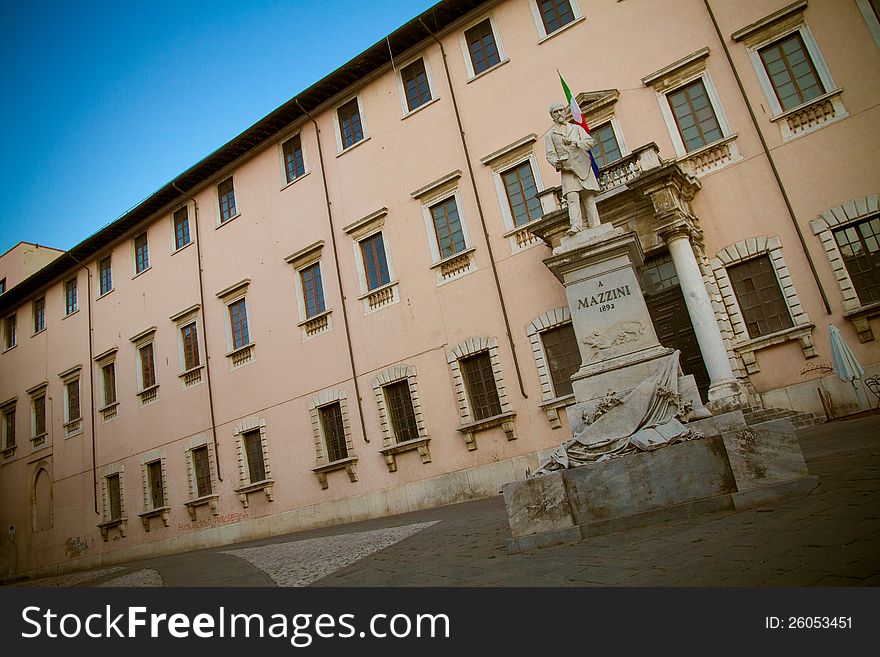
[577,117]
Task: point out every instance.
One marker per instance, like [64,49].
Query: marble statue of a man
[568,150]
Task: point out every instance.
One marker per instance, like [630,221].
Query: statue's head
[558,111]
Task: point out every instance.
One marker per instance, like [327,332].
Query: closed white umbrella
[844,363]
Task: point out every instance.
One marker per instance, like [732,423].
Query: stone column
[725,391]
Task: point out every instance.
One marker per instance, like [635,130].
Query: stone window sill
[470,429]
[141,272]
[228,221]
[747,348]
[149,395]
[477,76]
[711,157]
[213,500]
[159,512]
[348,149]
[859,317]
[812,115]
[349,464]
[73,428]
[118,523]
[70,314]
[522,238]
[390,453]
[241,356]
[8,452]
[245,489]
[562,29]
[105,294]
[176,251]
[317,323]
[294,181]
[192,376]
[377,298]
[109,411]
[419,108]
[39,440]
[552,407]
[455,266]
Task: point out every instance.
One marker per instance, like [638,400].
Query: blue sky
[105,102]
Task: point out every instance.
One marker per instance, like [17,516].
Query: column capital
[680,226]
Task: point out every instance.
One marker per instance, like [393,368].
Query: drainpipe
[204,331]
[357,391]
[776,176]
[470,167]
[91,381]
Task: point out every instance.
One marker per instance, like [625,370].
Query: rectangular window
[350,128]
[759,296]
[2,285]
[154,480]
[555,14]
[313,290]
[39,314]
[8,428]
[563,357]
[694,115]
[480,382]
[72,388]
[375,263]
[607,149]
[400,407]
[202,467]
[791,71]
[181,228]
[294,165]
[141,254]
[39,415]
[226,196]
[253,447]
[108,377]
[190,340]
[858,244]
[447,227]
[522,194]
[334,431]
[482,47]
[239,323]
[105,275]
[113,497]
[9,331]
[148,368]
[70,297]
[415,84]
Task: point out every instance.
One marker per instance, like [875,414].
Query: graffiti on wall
[214,521]
[75,547]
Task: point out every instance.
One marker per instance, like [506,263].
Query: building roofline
[39,246]
[438,17]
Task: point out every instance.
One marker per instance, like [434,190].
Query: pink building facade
[342,314]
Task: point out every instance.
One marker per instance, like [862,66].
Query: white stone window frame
[448,268]
[871,19]
[7,451]
[106,522]
[246,486]
[41,390]
[743,345]
[108,410]
[618,135]
[363,229]
[101,258]
[190,215]
[813,114]
[470,426]
[218,213]
[301,260]
[73,426]
[466,53]
[391,447]
[500,162]
[134,271]
[191,315]
[34,315]
[146,394]
[823,227]
[10,340]
[212,499]
[75,309]
[337,128]
[150,511]
[550,402]
[543,35]
[710,157]
[237,357]
[401,90]
[323,464]
[282,164]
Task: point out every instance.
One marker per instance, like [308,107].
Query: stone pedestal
[618,345]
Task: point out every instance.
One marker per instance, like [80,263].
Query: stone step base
[800,419]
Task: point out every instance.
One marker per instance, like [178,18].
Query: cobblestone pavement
[828,538]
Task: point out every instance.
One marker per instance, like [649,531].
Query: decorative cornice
[183,313]
[675,67]
[492,157]
[312,251]
[433,186]
[367,222]
[757,26]
[143,334]
[232,289]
